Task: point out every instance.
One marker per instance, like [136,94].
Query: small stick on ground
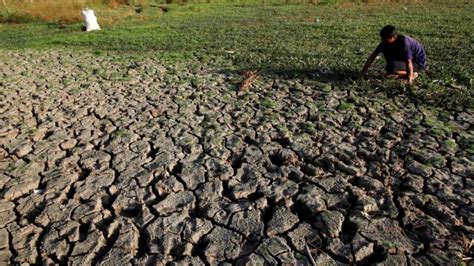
[249,78]
[309,253]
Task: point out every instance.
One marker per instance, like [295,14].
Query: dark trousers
[394,66]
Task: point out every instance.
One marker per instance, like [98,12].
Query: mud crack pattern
[111,161]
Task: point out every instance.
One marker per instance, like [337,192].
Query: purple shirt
[404,48]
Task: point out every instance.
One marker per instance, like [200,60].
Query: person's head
[388,34]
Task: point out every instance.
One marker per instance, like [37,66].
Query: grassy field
[293,39]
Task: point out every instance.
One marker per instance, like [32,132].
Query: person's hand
[411,78]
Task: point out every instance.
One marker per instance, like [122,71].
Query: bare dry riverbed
[111,161]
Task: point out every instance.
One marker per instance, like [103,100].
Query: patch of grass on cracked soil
[294,39]
[345,106]
[268,103]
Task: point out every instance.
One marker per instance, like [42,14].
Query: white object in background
[90,19]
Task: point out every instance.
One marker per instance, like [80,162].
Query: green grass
[295,39]
[388,245]
[449,144]
[20,166]
[122,133]
[309,127]
[32,130]
[268,103]
[345,106]
[11,167]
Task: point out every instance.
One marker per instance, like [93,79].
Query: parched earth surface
[109,160]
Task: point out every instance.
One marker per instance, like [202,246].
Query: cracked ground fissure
[105,167]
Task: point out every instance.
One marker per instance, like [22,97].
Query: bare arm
[410,71]
[369,62]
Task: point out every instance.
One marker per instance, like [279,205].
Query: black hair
[388,31]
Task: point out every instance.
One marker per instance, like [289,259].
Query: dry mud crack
[112,161]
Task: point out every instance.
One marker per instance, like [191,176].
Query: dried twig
[467,243]
[249,78]
[313,262]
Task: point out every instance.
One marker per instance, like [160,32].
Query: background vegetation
[331,38]
[62,11]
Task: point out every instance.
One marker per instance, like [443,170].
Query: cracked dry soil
[110,161]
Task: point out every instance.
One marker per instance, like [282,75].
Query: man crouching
[405,56]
